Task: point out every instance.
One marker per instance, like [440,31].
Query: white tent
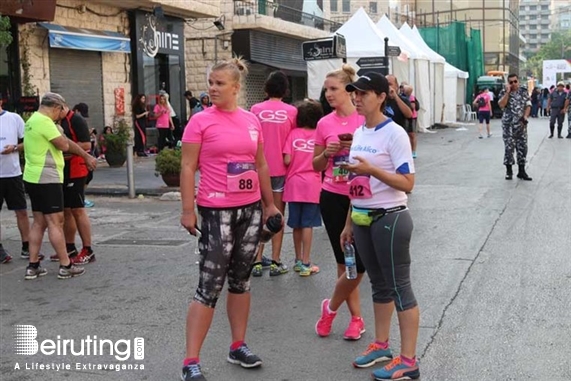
[436,77]
[455,91]
[418,69]
[363,39]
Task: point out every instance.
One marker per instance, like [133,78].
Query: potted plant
[167,164]
[116,144]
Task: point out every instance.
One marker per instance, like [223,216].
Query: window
[334,6]
[373,7]
[533,27]
[545,7]
[533,8]
[533,46]
[533,36]
[533,17]
[346,6]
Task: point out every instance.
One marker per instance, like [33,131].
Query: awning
[86,39]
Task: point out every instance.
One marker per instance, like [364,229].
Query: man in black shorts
[397,106]
[75,174]
[44,145]
[11,184]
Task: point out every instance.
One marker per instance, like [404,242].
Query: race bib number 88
[242,177]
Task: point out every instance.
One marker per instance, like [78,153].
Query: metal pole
[387,61]
[130,174]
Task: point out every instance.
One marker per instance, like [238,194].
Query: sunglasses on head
[512,82]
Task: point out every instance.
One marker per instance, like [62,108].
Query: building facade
[497,19]
[398,11]
[535,18]
[561,15]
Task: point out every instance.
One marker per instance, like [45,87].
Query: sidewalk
[113,181]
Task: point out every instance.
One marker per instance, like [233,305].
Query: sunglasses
[512,82]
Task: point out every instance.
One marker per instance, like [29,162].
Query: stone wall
[116,67]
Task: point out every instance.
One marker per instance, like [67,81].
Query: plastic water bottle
[350,261]
[273,225]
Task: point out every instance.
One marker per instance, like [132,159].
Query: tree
[559,47]
[5,34]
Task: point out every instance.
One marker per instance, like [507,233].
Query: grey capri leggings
[385,251]
[230,239]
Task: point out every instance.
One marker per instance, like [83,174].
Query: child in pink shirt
[303,184]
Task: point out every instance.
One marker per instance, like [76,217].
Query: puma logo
[388,227]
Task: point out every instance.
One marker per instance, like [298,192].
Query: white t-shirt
[386,146]
[11,129]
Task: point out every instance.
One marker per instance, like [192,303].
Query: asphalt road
[491,272]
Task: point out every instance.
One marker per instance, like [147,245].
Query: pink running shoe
[323,326]
[355,329]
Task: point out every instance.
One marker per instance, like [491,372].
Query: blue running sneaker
[192,372]
[396,370]
[372,355]
[244,357]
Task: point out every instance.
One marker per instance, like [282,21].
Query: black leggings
[385,250]
[164,135]
[334,209]
[230,239]
[140,135]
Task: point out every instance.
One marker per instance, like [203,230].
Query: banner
[119,101]
[550,70]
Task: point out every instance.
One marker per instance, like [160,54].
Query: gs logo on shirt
[304,145]
[270,116]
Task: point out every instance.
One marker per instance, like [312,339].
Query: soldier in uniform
[556,104]
[515,102]
[567,102]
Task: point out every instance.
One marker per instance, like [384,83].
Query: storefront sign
[28,104]
[324,49]
[154,36]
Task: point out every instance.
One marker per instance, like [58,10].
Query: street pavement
[491,273]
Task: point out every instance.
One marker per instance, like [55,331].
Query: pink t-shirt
[277,119]
[163,121]
[487,98]
[412,98]
[328,129]
[302,183]
[227,160]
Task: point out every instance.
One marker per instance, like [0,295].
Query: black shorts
[45,198]
[89,177]
[334,209]
[74,193]
[484,115]
[12,190]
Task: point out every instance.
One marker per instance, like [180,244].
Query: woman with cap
[379,222]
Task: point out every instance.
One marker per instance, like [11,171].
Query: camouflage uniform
[569,115]
[514,132]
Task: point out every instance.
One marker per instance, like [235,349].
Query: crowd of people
[351,168]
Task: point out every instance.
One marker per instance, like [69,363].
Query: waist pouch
[365,217]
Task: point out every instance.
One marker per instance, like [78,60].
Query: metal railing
[279,11]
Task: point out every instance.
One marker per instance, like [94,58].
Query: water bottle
[350,261]
[273,225]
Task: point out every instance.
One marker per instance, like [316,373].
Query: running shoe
[397,370]
[33,273]
[88,203]
[71,254]
[244,357]
[73,271]
[308,270]
[297,266]
[84,257]
[323,325]
[4,256]
[257,269]
[355,329]
[25,254]
[277,268]
[266,262]
[372,355]
[192,372]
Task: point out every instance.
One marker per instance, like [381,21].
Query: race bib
[360,187]
[340,175]
[242,177]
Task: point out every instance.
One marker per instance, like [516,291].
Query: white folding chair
[471,115]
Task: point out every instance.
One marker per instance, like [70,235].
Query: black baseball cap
[370,81]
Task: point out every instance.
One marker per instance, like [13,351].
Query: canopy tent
[455,84]
[418,68]
[362,38]
[436,74]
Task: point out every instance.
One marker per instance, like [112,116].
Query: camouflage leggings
[230,238]
[515,137]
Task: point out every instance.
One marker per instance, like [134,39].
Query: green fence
[460,49]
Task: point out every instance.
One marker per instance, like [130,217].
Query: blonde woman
[225,143]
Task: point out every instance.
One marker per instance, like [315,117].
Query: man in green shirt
[44,145]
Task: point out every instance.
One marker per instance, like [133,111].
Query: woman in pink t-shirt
[277,119]
[225,144]
[303,184]
[483,102]
[164,123]
[329,154]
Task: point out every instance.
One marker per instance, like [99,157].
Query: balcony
[280,19]
[183,9]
